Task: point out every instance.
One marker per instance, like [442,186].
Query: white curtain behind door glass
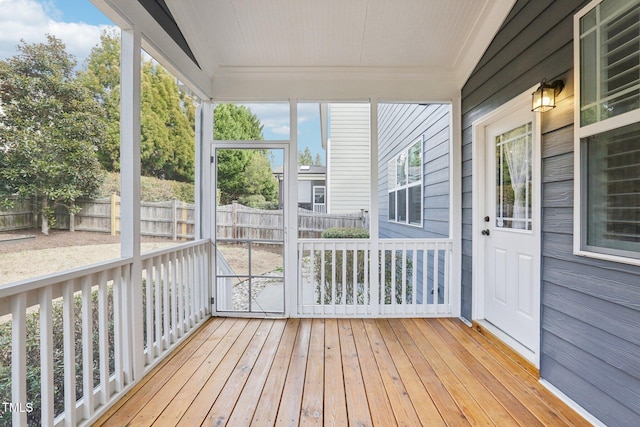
[516,146]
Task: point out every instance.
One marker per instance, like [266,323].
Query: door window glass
[513,178]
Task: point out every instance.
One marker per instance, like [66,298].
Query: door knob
[485,232]
[486,218]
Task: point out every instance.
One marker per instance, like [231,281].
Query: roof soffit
[371,42]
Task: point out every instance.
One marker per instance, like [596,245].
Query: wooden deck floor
[384,372]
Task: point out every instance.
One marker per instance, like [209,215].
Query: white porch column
[292,275]
[455,205]
[205,191]
[130,68]
[204,184]
[374,221]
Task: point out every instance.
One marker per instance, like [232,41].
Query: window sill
[420,226]
[607,257]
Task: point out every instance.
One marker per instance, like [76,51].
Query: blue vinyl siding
[590,319]
[399,125]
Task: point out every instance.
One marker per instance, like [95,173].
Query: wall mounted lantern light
[544,98]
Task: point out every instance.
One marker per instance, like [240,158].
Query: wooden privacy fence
[236,221]
[172,219]
[176,220]
[19,217]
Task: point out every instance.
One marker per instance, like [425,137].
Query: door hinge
[213,300]
[213,159]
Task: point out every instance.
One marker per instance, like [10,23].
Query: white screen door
[250,228]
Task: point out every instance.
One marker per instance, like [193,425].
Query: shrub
[345,233]
[345,283]
[257,201]
[152,189]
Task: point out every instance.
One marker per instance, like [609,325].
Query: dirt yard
[56,239]
[36,254]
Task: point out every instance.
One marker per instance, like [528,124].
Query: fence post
[72,222]
[34,207]
[114,214]
[184,221]
[174,217]
[234,219]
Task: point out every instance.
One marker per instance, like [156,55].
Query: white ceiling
[269,47]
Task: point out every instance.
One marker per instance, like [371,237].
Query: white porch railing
[366,278]
[71,332]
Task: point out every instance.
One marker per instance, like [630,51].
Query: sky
[275,119]
[79,24]
[76,22]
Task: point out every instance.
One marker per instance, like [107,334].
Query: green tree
[102,76]
[259,178]
[306,158]
[167,144]
[167,114]
[50,129]
[242,173]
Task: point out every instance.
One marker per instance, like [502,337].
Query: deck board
[520,391]
[206,383]
[335,403]
[403,409]
[379,403]
[354,389]
[444,402]
[269,400]
[247,402]
[291,401]
[313,393]
[480,391]
[540,395]
[471,409]
[335,372]
[425,408]
[223,407]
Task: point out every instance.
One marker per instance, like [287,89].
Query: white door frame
[289,282]
[478,208]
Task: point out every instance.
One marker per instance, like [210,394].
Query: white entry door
[510,228]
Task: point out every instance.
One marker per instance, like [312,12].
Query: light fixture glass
[544,98]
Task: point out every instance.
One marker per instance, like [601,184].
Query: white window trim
[313,197]
[581,132]
[406,186]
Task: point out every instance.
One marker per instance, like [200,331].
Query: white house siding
[348,161]
[399,125]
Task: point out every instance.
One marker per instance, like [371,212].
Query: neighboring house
[348,161]
[414,163]
[414,186]
[311,187]
[586,303]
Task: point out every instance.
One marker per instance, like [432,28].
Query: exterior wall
[348,161]
[399,125]
[305,192]
[590,345]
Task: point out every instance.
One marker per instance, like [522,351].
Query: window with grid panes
[404,173]
[609,127]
